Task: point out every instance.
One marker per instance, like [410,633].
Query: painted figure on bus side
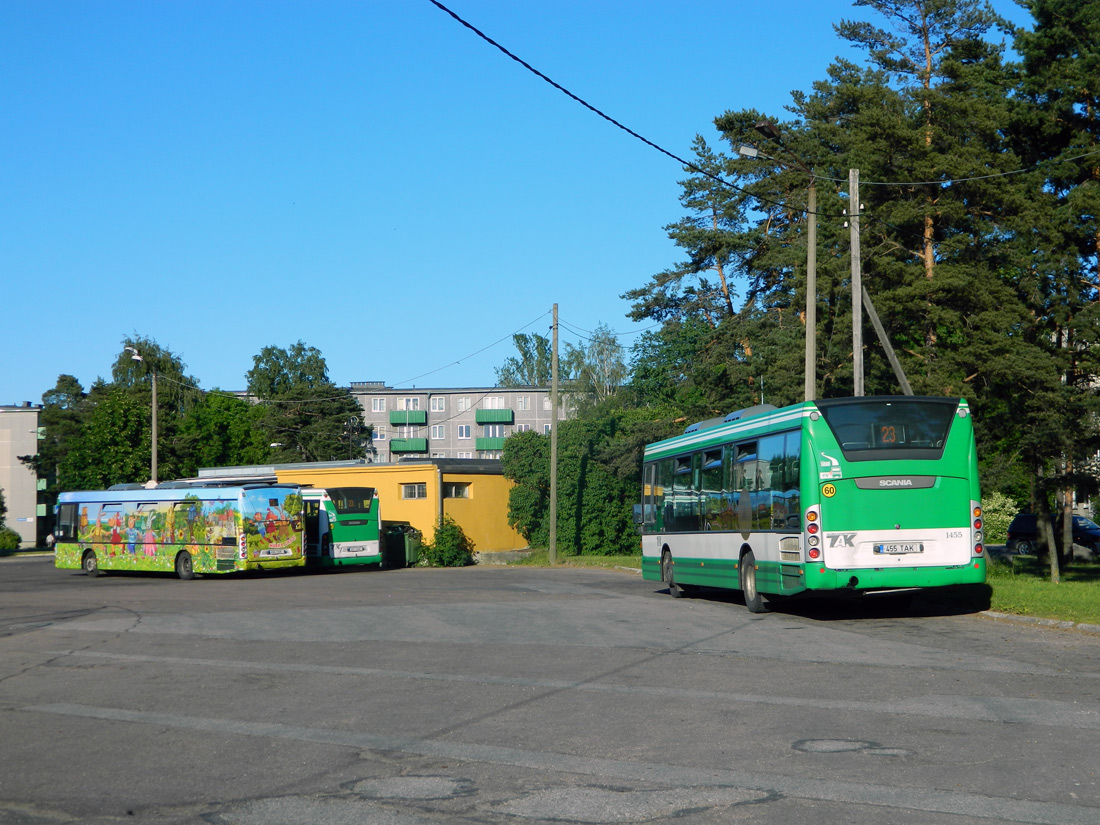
[261,524]
[133,535]
[149,540]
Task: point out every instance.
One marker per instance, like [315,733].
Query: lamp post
[136,356]
[769,131]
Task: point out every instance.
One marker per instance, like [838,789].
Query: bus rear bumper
[895,578]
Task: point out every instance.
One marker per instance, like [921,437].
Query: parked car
[1023,534]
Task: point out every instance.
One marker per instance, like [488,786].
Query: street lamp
[136,356]
[770,131]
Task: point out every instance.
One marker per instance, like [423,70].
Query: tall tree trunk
[1046,531]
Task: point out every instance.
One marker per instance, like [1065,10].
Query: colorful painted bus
[856,495]
[341,525]
[183,528]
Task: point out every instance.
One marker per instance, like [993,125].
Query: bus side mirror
[639,514]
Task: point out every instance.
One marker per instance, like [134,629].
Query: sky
[369,177]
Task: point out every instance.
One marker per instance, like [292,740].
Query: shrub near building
[9,539]
[449,548]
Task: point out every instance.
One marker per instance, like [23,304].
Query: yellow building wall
[483,516]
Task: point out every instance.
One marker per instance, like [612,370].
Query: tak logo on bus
[841,539]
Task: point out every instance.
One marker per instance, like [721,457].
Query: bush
[9,539]
[449,548]
[997,513]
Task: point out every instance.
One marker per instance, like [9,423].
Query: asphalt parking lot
[529,695]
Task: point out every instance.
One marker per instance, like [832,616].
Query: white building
[468,422]
[19,435]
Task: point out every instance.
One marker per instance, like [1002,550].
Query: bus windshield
[870,429]
[348,500]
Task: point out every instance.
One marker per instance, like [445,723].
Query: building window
[439,432]
[379,433]
[439,403]
[462,404]
[523,402]
[493,431]
[414,491]
[463,431]
[495,402]
[546,429]
[464,455]
[410,404]
[546,402]
[438,455]
[378,405]
[490,454]
[523,428]
[456,489]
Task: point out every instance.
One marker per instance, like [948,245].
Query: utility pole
[554,443]
[771,132]
[153,472]
[136,356]
[857,285]
[811,290]
[885,341]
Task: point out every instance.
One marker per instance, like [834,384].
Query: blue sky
[368,177]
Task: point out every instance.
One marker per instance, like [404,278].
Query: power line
[399,385]
[471,355]
[598,112]
[718,179]
[952,181]
[588,334]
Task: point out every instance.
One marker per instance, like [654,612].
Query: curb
[1057,624]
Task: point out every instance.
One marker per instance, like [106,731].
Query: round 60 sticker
[829,490]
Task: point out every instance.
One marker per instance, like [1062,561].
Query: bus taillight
[813,530]
[976,525]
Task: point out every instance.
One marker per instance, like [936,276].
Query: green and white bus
[341,526]
[179,527]
[858,495]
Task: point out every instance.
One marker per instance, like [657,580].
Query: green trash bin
[412,547]
[393,548]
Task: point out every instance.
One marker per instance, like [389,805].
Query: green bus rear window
[351,499]
[877,429]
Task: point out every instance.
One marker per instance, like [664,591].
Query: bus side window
[685,499]
[66,523]
[744,484]
[791,480]
[710,489]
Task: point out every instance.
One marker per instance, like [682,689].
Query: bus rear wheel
[754,601]
[184,569]
[90,564]
[674,589]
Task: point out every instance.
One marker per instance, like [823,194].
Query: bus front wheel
[184,569]
[754,601]
[90,564]
[674,589]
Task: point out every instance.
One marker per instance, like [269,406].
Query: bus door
[315,520]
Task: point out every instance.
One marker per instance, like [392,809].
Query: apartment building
[19,434]
[469,422]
